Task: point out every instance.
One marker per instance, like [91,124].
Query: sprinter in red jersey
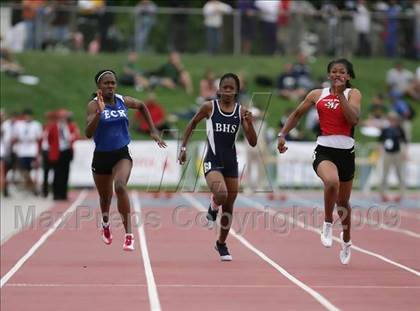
[338,108]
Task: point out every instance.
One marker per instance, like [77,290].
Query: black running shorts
[343,158]
[103,162]
[227,165]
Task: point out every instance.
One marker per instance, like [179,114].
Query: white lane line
[101,285]
[82,195]
[308,227]
[317,296]
[410,215]
[151,284]
[371,223]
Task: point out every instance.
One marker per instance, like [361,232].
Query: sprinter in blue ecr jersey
[107,123]
[224,116]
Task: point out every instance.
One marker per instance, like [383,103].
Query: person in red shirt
[157,114]
[338,108]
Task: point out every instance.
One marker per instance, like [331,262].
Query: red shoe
[106,234]
[129,242]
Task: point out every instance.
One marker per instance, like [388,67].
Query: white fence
[158,168]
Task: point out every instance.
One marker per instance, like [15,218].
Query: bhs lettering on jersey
[114,114]
[225,128]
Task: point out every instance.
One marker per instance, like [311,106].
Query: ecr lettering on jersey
[114,114]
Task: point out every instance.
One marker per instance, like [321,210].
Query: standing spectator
[61,135]
[361,20]
[248,24]
[268,11]
[417,17]
[330,14]
[145,19]
[391,32]
[60,32]
[178,36]
[45,146]
[394,154]
[27,136]
[2,154]
[213,12]
[414,88]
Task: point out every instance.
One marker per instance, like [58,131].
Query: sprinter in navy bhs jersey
[107,123]
[224,117]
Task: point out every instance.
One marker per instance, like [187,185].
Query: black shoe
[211,214]
[223,251]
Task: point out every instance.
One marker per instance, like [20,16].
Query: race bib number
[207,166]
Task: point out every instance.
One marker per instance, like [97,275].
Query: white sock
[213,204]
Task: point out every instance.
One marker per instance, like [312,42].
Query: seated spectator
[172,74]
[208,87]
[377,112]
[413,89]
[295,134]
[404,110]
[132,74]
[398,79]
[287,84]
[302,73]
[157,112]
[8,64]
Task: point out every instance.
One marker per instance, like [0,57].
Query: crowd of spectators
[360,27]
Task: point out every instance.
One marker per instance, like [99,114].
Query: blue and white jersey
[222,130]
[112,131]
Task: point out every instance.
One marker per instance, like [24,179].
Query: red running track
[74,270]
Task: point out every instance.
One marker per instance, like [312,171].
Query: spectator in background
[414,88]
[208,87]
[3,153]
[391,31]
[61,134]
[268,12]
[213,12]
[287,84]
[8,63]
[417,18]
[248,23]
[394,154]
[330,14]
[45,146]
[9,155]
[398,79]
[361,20]
[377,111]
[302,73]
[145,19]
[172,74]
[404,110]
[295,134]
[60,32]
[132,74]
[157,113]
[178,36]
[27,136]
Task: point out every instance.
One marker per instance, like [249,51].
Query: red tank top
[331,116]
